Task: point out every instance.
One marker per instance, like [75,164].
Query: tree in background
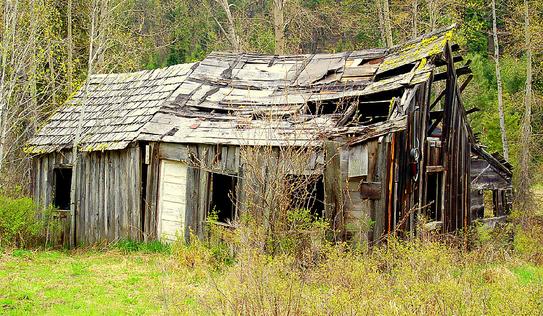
[524,196]
[28,77]
[279,26]
[41,72]
[231,33]
[499,82]
[386,23]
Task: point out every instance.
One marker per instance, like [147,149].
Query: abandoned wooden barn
[160,149]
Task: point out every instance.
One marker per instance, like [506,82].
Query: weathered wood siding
[201,161]
[485,177]
[365,191]
[109,197]
[456,154]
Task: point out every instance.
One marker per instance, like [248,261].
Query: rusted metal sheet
[370,190]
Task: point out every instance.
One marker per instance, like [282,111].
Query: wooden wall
[456,154]
[43,175]
[483,177]
[43,189]
[109,197]
[201,161]
[365,216]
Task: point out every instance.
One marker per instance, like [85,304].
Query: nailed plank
[135,185]
[100,193]
[358,160]
[381,175]
[177,152]
[366,71]
[206,154]
[117,194]
[191,204]
[87,178]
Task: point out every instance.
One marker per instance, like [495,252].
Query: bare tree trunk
[103,19]
[381,21]
[279,26]
[388,28]
[10,16]
[77,136]
[231,34]
[432,14]
[70,49]
[499,83]
[52,76]
[524,197]
[415,18]
[33,120]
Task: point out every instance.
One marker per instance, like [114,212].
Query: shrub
[154,246]
[22,223]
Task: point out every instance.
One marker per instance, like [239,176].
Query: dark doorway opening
[223,196]
[433,197]
[63,185]
[307,193]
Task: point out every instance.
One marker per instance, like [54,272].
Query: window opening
[63,185]
[307,192]
[223,196]
[434,196]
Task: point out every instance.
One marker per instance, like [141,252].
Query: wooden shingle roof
[117,107]
[228,97]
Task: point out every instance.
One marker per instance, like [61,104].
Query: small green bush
[22,223]
[154,246]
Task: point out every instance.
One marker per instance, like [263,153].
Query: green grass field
[51,282]
[422,279]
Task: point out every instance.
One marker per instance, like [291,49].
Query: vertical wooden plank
[95,194]
[368,206]
[38,171]
[231,159]
[91,192]
[102,196]
[78,222]
[107,196]
[333,187]
[136,188]
[224,158]
[204,197]
[86,180]
[151,193]
[44,180]
[129,193]
[111,197]
[124,196]
[191,194]
[116,191]
[237,158]
[99,197]
[381,173]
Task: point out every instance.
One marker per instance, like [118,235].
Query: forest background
[46,48]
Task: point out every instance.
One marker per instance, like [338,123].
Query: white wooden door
[172,200]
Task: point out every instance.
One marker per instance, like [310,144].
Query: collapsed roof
[242,98]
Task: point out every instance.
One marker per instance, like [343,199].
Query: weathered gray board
[358,160]
[485,177]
